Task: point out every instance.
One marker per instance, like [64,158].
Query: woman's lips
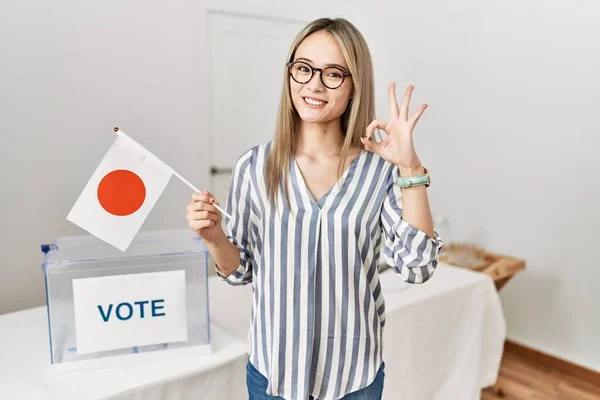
[314,103]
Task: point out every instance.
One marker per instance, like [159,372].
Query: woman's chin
[311,119]
[312,116]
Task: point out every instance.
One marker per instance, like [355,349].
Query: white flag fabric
[121,193]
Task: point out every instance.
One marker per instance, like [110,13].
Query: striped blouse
[318,311]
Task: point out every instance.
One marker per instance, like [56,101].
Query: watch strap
[410,181]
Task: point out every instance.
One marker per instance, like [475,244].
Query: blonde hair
[359,113]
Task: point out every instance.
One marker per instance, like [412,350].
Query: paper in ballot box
[109,308]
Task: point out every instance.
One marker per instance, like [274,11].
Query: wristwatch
[410,181]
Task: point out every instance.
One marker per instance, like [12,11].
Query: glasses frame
[320,70]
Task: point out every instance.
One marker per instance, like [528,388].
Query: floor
[521,378]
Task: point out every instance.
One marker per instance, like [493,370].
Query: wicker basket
[500,267]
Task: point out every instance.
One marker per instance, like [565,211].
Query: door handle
[220,171]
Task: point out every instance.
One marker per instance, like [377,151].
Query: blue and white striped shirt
[318,311]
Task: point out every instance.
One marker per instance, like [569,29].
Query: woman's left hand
[397,148]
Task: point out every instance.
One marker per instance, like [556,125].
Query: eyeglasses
[331,77]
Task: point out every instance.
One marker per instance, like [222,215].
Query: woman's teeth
[314,102]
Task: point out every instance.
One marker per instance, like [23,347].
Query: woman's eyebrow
[327,65]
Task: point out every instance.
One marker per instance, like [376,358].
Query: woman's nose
[315,83]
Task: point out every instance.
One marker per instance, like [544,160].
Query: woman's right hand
[203,217]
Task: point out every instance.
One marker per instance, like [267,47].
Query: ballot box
[110,308]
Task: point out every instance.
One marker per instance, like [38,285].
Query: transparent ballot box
[112,308]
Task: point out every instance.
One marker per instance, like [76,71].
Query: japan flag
[121,193]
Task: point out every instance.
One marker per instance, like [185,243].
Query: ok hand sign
[397,148]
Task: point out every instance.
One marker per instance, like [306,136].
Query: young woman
[310,210]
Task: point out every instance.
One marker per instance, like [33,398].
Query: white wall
[516,129]
[507,135]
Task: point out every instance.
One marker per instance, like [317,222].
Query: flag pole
[194,188]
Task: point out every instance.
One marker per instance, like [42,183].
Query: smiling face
[313,101]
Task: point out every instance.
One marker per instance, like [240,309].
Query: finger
[370,146]
[200,206]
[406,102]
[202,215]
[201,196]
[375,124]
[207,198]
[197,225]
[419,113]
[394,112]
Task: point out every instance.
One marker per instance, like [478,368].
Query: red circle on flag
[121,192]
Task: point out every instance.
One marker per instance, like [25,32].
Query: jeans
[257,386]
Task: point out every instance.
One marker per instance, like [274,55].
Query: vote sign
[121,311]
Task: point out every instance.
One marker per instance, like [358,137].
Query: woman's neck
[320,139]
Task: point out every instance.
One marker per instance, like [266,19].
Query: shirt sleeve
[409,251]
[239,227]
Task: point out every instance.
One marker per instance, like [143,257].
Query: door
[247,56]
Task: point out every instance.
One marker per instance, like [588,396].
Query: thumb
[208,193]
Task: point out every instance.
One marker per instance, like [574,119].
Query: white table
[442,340]
[25,371]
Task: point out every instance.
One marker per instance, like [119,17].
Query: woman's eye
[303,69]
